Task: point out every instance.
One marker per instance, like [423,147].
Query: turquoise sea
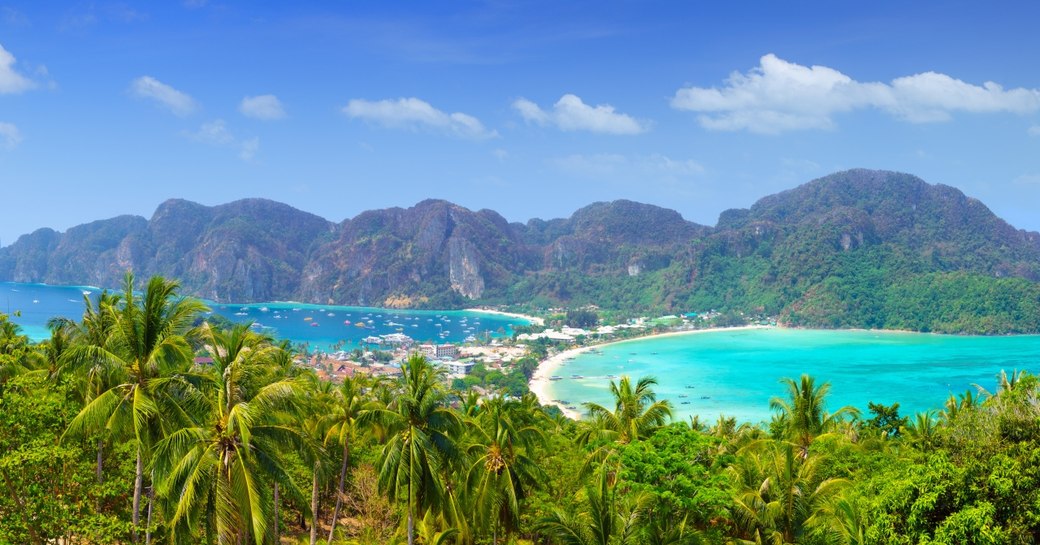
[736,373]
[322,327]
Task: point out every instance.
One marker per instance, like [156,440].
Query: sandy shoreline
[533,319]
[539,384]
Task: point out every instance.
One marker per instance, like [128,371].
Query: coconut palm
[780,497]
[636,414]
[313,424]
[502,474]
[149,343]
[349,403]
[602,516]
[803,416]
[923,429]
[421,441]
[219,472]
[86,361]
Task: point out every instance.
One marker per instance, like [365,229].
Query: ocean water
[322,327]
[736,373]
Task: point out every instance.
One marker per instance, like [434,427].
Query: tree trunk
[339,491]
[314,507]
[18,501]
[277,529]
[411,521]
[138,484]
[151,501]
[100,445]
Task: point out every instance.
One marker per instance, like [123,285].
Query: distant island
[856,249]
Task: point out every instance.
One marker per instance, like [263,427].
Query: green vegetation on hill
[853,249]
[141,423]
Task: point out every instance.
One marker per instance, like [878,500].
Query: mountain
[860,248]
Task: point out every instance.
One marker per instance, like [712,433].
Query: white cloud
[570,113]
[175,101]
[1034,130]
[1028,180]
[413,113]
[249,148]
[11,81]
[216,133]
[614,164]
[266,107]
[10,136]
[594,165]
[779,96]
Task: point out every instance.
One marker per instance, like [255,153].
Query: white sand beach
[533,319]
[540,382]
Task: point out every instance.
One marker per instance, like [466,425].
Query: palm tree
[602,517]
[86,359]
[923,429]
[314,423]
[421,440]
[149,343]
[636,414]
[14,350]
[502,474]
[349,404]
[780,497]
[219,471]
[803,416]
[955,404]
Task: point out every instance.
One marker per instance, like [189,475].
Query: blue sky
[533,109]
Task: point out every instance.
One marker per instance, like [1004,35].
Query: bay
[736,372]
[321,327]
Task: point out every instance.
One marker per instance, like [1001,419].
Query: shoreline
[539,383]
[533,319]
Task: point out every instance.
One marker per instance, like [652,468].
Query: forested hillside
[141,423]
[860,248]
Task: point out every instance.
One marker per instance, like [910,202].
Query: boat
[346,322]
[556,377]
[315,324]
[307,319]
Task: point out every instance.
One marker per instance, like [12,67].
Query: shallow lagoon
[320,326]
[737,372]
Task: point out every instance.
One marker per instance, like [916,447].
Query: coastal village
[532,351]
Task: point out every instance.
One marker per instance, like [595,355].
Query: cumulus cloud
[570,113]
[779,96]
[415,114]
[11,81]
[10,136]
[216,133]
[177,102]
[265,107]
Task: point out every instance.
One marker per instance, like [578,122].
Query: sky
[532,109]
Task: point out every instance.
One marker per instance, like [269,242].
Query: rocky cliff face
[622,253]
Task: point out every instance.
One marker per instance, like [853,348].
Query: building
[458,368]
[439,351]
